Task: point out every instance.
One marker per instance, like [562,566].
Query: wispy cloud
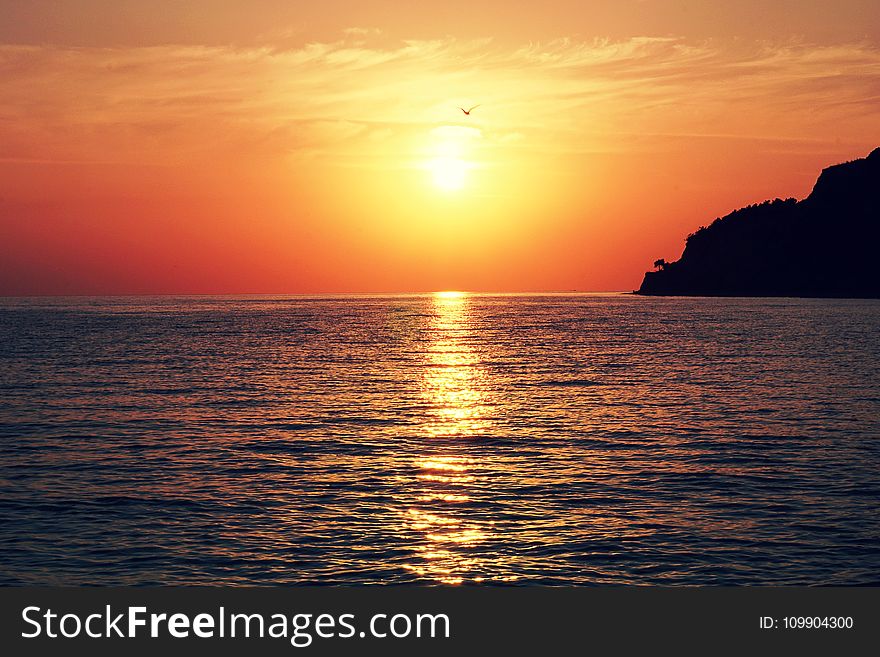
[149,104]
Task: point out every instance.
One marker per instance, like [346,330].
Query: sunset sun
[451,149]
[448,173]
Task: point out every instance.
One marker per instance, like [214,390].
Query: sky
[280,147]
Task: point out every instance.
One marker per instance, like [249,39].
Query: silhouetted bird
[467,112]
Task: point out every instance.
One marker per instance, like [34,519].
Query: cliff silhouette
[825,245]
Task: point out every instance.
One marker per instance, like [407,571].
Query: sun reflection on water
[454,389]
[453,379]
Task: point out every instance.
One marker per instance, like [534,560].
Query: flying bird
[467,112]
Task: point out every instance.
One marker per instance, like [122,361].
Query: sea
[441,439]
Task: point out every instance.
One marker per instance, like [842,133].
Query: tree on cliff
[761,250]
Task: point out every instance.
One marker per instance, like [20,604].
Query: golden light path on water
[454,389]
[547,439]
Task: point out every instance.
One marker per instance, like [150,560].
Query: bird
[467,112]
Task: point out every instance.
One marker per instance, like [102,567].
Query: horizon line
[314,294]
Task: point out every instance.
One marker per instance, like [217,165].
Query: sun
[449,173]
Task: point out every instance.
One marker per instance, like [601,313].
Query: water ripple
[458,439]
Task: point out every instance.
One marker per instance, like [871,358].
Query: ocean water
[459,439]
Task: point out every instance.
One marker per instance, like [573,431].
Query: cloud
[456,132]
[361,31]
[346,96]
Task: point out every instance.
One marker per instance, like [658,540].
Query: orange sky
[278,147]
